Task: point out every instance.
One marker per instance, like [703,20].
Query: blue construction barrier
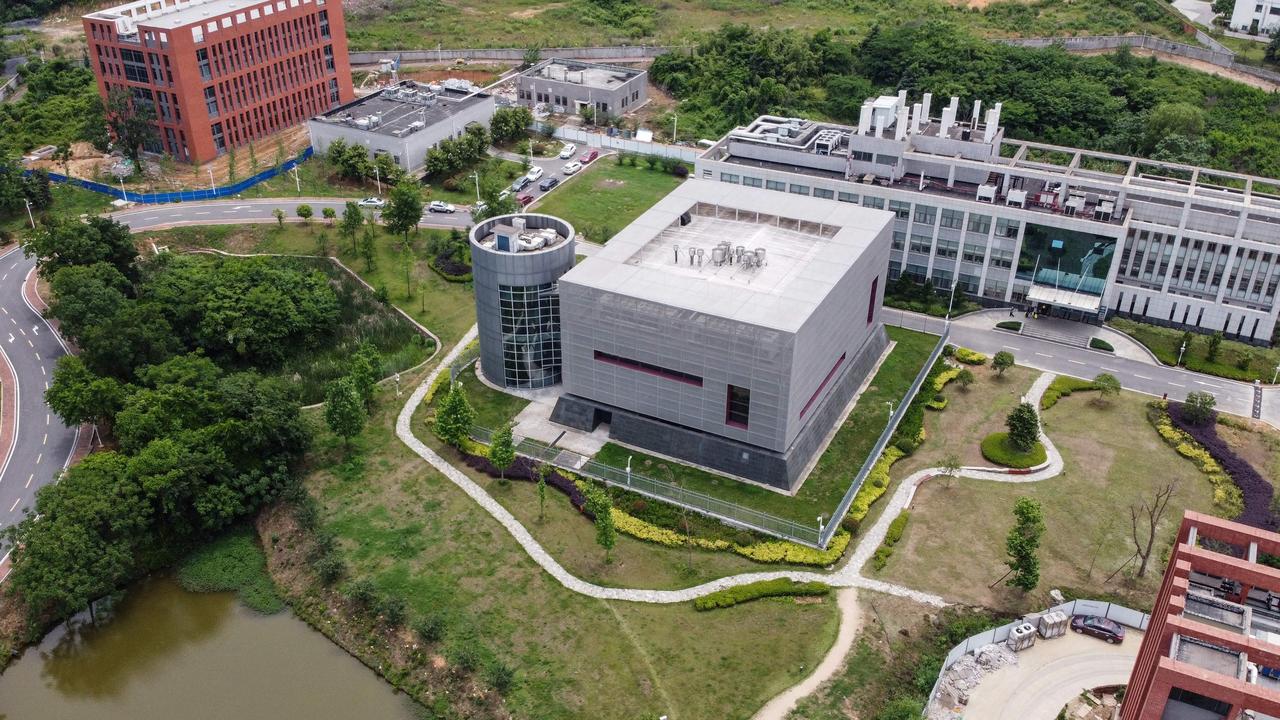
[184,195]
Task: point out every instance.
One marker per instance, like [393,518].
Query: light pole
[123,192]
[296,180]
[952,300]
[1180,351]
[29,215]
[377,178]
[476,176]
[211,185]
[890,404]
[629,470]
[675,128]
[1277,374]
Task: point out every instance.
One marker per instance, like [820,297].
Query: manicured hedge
[1100,344]
[891,538]
[970,357]
[996,448]
[781,587]
[1227,498]
[450,269]
[526,469]
[1014,325]
[1256,490]
[1061,387]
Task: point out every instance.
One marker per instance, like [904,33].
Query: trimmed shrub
[781,587]
[897,528]
[1100,344]
[944,377]
[970,357]
[1014,325]
[997,449]
[1061,387]
[937,403]
[875,484]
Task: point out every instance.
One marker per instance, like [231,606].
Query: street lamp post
[1277,374]
[1180,351]
[476,176]
[952,300]
[675,128]
[29,215]
[629,470]
[211,185]
[377,178]
[296,180]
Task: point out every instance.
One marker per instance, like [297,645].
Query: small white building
[1261,16]
[403,120]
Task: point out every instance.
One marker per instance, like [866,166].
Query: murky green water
[167,654]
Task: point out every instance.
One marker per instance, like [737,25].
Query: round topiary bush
[996,448]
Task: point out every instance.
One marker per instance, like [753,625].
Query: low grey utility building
[403,120]
[515,262]
[567,86]
[727,326]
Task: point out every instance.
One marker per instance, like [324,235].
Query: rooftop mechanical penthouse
[728,327]
[220,73]
[1077,233]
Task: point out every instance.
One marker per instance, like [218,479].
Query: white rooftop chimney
[915,119]
[955,106]
[900,127]
[977,113]
[948,117]
[879,125]
[925,106]
[902,98]
[864,118]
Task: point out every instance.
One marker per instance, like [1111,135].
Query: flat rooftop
[794,250]
[169,14]
[595,75]
[521,240]
[400,110]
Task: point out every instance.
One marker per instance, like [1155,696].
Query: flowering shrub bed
[1061,387]
[1256,491]
[1227,497]
[781,587]
[969,357]
[941,379]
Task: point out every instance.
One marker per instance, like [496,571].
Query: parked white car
[567,151]
[534,173]
[504,195]
[439,206]
[479,207]
[372,202]
[571,168]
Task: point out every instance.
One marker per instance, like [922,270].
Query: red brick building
[1212,650]
[220,73]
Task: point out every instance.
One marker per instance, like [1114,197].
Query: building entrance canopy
[1062,297]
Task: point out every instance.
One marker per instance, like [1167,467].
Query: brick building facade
[221,73]
[1212,649]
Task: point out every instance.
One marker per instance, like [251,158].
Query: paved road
[221,212]
[1146,377]
[1050,674]
[42,444]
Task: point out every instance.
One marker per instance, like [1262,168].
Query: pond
[167,653]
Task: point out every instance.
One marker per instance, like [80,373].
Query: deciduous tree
[1144,522]
[404,209]
[1022,545]
[366,371]
[455,416]
[343,409]
[352,219]
[1002,361]
[1107,386]
[1198,407]
[502,450]
[1024,427]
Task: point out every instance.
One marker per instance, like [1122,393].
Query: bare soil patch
[536,11]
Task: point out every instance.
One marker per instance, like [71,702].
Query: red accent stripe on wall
[830,374]
[676,375]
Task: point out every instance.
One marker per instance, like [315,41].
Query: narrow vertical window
[738,406]
[871,302]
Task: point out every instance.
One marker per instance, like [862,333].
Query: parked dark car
[524,199]
[1099,627]
[548,183]
[521,183]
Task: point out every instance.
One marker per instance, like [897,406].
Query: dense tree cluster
[1116,102]
[352,163]
[197,437]
[510,123]
[16,190]
[453,155]
[60,106]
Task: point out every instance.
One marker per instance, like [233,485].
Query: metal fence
[722,510]
[616,52]
[182,195]
[1215,54]
[8,88]
[1119,613]
[599,140]
[834,523]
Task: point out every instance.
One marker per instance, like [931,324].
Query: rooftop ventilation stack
[948,117]
[925,106]
[900,127]
[914,127]
[879,125]
[993,123]
[977,113]
[864,118]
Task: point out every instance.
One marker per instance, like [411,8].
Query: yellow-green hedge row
[1227,497]
[876,483]
[969,357]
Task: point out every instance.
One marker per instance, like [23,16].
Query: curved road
[42,445]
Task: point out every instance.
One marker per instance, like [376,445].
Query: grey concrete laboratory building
[566,86]
[726,327]
[403,120]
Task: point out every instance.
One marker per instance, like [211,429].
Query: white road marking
[46,418]
[1201,382]
[38,355]
[1077,362]
[42,372]
[30,344]
[6,277]
[46,384]
[45,441]
[6,310]
[201,213]
[29,479]
[1144,377]
[14,506]
[13,266]
[1010,347]
[1043,355]
[11,338]
[241,207]
[39,458]
[24,332]
[153,217]
[35,329]
[1107,369]
[1176,384]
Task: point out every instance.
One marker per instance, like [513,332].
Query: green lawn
[464,192]
[317,178]
[414,534]
[838,465]
[447,309]
[68,201]
[568,23]
[1235,360]
[605,197]
[954,544]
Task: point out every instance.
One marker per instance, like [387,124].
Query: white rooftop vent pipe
[977,113]
[948,119]
[993,123]
[954,105]
[925,105]
[915,118]
[864,118]
[880,125]
[900,127]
